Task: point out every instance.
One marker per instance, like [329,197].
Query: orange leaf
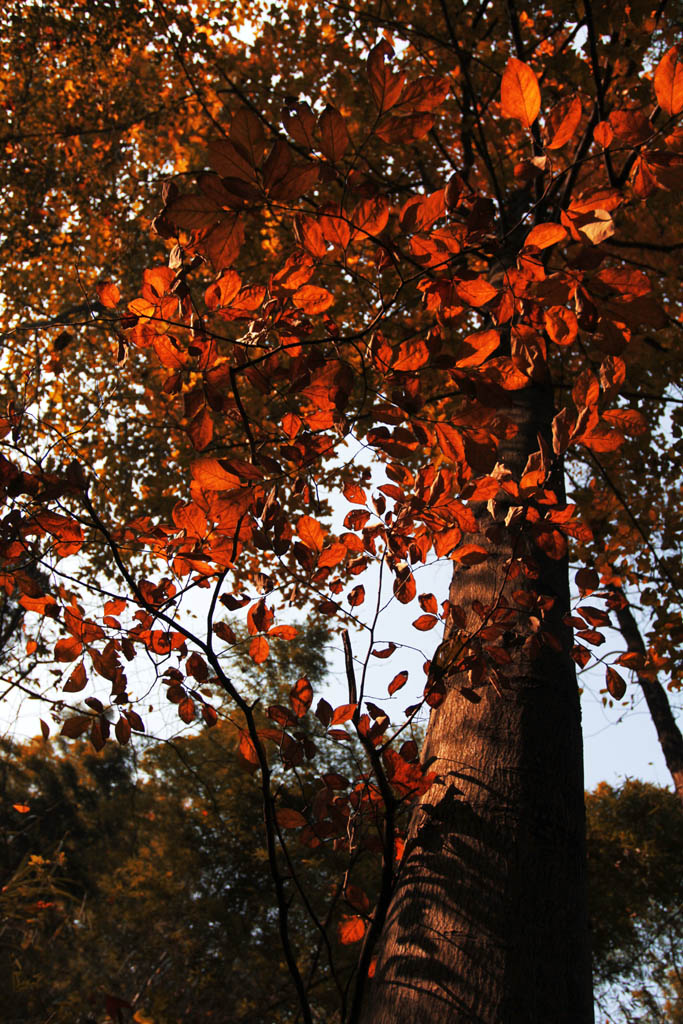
[561,325]
[344,713]
[311,533]
[312,299]
[545,235]
[411,356]
[451,443]
[246,753]
[21,808]
[404,587]
[355,494]
[332,555]
[569,116]
[258,649]
[68,649]
[476,348]
[351,929]
[357,596]
[669,83]
[301,696]
[476,292]
[520,94]
[603,134]
[283,632]
[210,475]
[108,294]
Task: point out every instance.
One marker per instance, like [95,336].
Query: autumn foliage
[411,296]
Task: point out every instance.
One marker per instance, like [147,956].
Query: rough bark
[488,922]
[668,733]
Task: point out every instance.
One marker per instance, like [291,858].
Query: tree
[634,841]
[149,867]
[438,258]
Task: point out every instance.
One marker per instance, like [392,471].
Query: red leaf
[75,727]
[323,712]
[200,429]
[398,682]
[334,137]
[587,580]
[615,683]
[68,649]
[186,710]
[385,84]
[76,680]
[351,929]
[287,817]
[425,622]
[122,731]
[386,653]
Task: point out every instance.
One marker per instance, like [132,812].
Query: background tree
[634,841]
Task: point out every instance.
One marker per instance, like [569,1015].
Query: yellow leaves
[520,94]
[669,83]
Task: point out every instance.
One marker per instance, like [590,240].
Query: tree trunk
[668,733]
[488,921]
